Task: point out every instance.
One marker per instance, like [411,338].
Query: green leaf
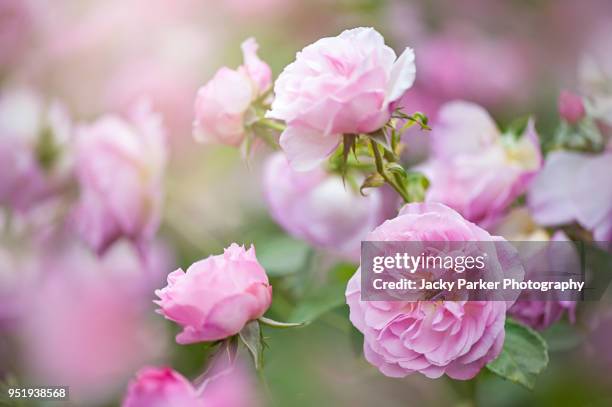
[523,357]
[374,180]
[282,255]
[277,324]
[323,300]
[251,338]
[381,139]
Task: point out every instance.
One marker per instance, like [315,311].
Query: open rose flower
[119,167]
[222,103]
[574,187]
[475,169]
[456,338]
[216,296]
[319,208]
[537,254]
[343,84]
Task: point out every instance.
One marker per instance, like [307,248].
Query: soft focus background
[93,326]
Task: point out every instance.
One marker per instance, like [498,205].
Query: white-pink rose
[33,136]
[221,104]
[337,85]
[216,296]
[575,187]
[473,167]
[119,167]
[318,208]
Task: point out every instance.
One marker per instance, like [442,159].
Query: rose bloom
[317,207]
[474,168]
[456,338]
[222,103]
[224,385]
[216,296]
[343,84]
[119,168]
[537,254]
[574,187]
[31,168]
[161,387]
[85,322]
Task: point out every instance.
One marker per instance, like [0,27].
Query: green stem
[271,124]
[381,170]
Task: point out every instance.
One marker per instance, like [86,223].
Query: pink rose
[161,387]
[574,187]
[221,104]
[224,385]
[119,167]
[571,107]
[474,168]
[343,84]
[88,325]
[216,296]
[456,338]
[31,168]
[318,208]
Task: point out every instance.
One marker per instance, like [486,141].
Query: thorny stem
[381,170]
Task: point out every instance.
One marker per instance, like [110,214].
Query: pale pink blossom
[225,384]
[474,168]
[337,85]
[575,187]
[161,387]
[456,338]
[539,311]
[119,167]
[222,104]
[319,208]
[216,296]
[89,324]
[33,139]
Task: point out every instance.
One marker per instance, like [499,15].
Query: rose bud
[216,296]
[222,103]
[161,387]
[571,107]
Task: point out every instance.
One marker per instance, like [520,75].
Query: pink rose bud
[343,84]
[317,207]
[161,387]
[216,296]
[119,167]
[456,338]
[571,107]
[475,169]
[221,104]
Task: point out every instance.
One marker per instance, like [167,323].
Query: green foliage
[523,357]
[282,255]
[252,339]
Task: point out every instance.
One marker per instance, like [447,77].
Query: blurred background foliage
[213,198]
